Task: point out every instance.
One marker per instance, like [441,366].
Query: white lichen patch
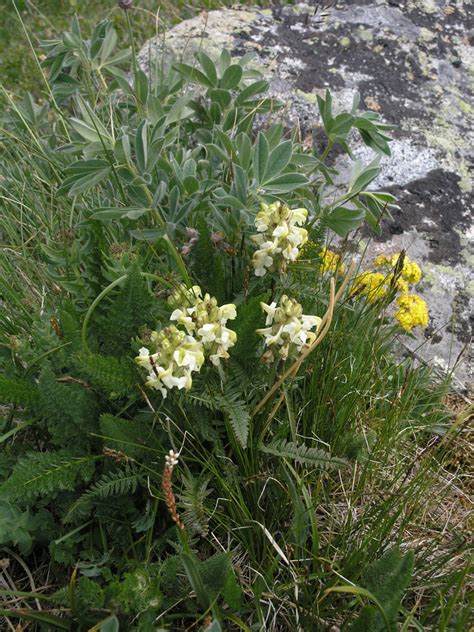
[408,162]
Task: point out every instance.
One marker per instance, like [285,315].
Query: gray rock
[414,63]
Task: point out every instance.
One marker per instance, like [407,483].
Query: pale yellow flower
[288,329]
[279,237]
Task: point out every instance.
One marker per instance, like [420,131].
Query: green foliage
[109,374]
[387,579]
[303,454]
[45,474]
[116,483]
[128,190]
[249,317]
[17,391]
[126,312]
[237,413]
[69,409]
[19,528]
[138,591]
[192,501]
[133,437]
[206,264]
[218,577]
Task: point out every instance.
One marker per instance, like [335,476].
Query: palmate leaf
[40,474]
[278,159]
[303,454]
[343,220]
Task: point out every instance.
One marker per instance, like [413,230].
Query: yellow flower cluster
[412,311]
[373,285]
[331,262]
[410,272]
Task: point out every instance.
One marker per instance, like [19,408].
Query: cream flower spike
[288,329]
[279,237]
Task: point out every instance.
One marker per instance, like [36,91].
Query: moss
[310,97]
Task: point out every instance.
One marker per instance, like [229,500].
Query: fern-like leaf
[238,415]
[249,316]
[303,454]
[39,474]
[387,579]
[70,410]
[116,483]
[192,500]
[113,376]
[17,391]
[206,264]
[133,438]
[129,309]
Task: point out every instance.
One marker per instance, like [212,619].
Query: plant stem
[325,153]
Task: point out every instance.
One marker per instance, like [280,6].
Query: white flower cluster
[171,459]
[204,319]
[288,329]
[279,236]
[176,354]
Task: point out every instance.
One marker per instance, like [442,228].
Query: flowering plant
[207,377]
[399,273]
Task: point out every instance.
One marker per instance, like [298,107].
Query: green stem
[104,293]
[179,261]
[91,309]
[171,247]
[325,153]
[149,538]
